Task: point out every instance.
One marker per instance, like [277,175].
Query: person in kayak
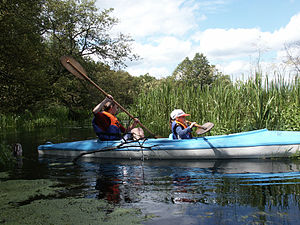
[106,124]
[180,129]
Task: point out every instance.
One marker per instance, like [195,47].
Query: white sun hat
[178,113]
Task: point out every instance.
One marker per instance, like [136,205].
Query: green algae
[70,211]
[13,192]
[37,202]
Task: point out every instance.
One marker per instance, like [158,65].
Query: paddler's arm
[101,104]
[133,125]
[182,132]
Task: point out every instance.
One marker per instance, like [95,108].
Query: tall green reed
[242,106]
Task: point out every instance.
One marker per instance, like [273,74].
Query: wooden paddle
[202,128]
[76,69]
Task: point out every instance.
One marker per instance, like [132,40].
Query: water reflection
[267,188]
[189,177]
[175,191]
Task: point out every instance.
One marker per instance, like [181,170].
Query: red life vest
[113,120]
[113,132]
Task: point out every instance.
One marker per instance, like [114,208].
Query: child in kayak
[180,129]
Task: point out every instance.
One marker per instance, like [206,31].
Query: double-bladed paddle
[76,69]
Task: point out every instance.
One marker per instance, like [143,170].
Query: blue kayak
[253,144]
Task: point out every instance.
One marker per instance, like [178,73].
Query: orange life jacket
[183,125]
[113,120]
[175,124]
[114,130]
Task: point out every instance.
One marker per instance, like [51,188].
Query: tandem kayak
[252,144]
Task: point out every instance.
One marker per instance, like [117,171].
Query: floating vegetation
[14,192]
[37,202]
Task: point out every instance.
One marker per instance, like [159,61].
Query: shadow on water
[172,191]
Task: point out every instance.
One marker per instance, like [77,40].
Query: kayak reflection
[188,181]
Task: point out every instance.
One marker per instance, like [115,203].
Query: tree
[293,55]
[21,55]
[197,70]
[75,27]
[146,81]
[35,34]
[120,84]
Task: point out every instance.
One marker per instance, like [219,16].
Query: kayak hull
[252,144]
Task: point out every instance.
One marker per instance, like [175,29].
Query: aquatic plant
[255,104]
[30,201]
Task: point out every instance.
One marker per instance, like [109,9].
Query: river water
[170,191]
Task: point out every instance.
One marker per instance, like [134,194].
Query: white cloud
[234,67]
[220,43]
[159,71]
[227,46]
[163,50]
[289,33]
[150,17]
[167,31]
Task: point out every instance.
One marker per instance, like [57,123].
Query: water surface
[170,191]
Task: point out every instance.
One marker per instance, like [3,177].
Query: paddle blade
[206,127]
[73,66]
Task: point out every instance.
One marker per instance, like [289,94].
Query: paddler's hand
[192,124]
[135,121]
[109,97]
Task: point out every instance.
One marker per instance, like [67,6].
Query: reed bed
[237,107]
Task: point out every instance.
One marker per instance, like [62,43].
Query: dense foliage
[35,34]
[22,83]
[237,107]
[197,71]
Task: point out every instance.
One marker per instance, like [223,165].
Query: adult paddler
[105,123]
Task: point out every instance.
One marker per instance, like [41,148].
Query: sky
[234,35]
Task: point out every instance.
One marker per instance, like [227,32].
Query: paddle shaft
[196,125]
[106,94]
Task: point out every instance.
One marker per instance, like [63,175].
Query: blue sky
[233,34]
[266,14]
